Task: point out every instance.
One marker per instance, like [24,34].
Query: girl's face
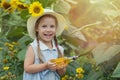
[47,29]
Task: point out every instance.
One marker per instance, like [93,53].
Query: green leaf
[15,33]
[32,1]
[22,0]
[24,14]
[47,3]
[103,52]
[1,57]
[71,40]
[20,77]
[71,69]
[72,46]
[50,2]
[116,72]
[93,75]
[24,41]
[113,13]
[62,7]
[21,54]
[14,19]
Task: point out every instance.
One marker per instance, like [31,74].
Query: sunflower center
[36,9]
[22,7]
[6,5]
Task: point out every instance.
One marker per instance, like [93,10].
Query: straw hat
[32,20]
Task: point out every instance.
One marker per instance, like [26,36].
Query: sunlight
[96,1]
[86,14]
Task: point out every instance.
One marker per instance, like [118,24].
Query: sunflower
[0,4]
[21,6]
[14,3]
[61,62]
[79,76]
[7,6]
[6,68]
[36,9]
[1,48]
[79,70]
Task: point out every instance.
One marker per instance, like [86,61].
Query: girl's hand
[62,66]
[61,70]
[51,66]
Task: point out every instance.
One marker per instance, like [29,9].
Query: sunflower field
[92,32]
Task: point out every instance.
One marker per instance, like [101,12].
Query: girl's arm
[29,65]
[61,71]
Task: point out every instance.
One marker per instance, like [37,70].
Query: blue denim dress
[48,54]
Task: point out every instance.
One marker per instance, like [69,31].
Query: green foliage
[24,14]
[103,52]
[13,30]
[9,59]
[47,3]
[116,72]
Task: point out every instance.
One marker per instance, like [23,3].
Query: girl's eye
[44,26]
[52,26]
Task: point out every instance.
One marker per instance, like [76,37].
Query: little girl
[44,29]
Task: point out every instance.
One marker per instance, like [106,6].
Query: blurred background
[92,31]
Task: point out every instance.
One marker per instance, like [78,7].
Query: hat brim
[32,21]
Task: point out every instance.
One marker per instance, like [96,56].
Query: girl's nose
[48,29]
